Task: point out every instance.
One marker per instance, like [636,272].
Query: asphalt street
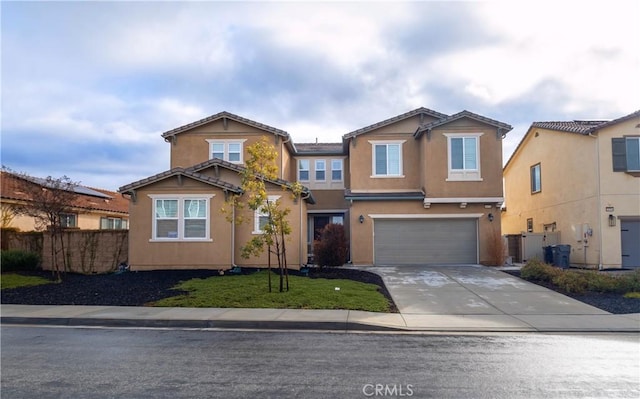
[54,362]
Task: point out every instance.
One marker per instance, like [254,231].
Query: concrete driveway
[474,297]
[472,289]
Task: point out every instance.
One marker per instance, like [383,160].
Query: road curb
[178,323]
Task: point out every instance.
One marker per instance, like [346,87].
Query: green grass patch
[633,295]
[13,280]
[252,291]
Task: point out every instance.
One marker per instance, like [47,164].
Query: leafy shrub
[17,260]
[631,282]
[633,295]
[603,283]
[331,249]
[536,270]
[577,283]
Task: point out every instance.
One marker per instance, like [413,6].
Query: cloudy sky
[88,87]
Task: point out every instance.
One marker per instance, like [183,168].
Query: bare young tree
[261,167]
[48,201]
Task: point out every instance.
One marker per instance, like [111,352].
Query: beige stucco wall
[434,162]
[618,190]
[569,190]
[362,233]
[191,147]
[214,254]
[85,220]
[361,158]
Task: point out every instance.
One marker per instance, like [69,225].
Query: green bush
[16,260]
[573,282]
[536,270]
[631,282]
[331,249]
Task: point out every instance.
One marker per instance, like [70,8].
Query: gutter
[233,236]
[599,203]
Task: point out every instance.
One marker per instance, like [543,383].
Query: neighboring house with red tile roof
[91,209]
[580,179]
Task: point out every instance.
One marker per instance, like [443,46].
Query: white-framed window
[111,223]
[337,219]
[321,169]
[227,150]
[183,217]
[68,220]
[463,151]
[336,169]
[536,179]
[387,158]
[261,215]
[303,170]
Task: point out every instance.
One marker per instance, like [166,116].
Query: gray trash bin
[561,255]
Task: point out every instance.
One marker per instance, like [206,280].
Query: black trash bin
[548,254]
[561,255]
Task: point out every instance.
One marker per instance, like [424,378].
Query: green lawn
[251,291]
[13,280]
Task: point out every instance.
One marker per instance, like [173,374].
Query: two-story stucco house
[419,188]
[581,179]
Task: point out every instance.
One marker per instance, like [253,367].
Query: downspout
[599,205]
[233,236]
[282,157]
[302,233]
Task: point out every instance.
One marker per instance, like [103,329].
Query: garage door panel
[630,235]
[425,241]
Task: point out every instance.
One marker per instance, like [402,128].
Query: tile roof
[319,148]
[13,188]
[349,195]
[463,114]
[180,172]
[239,168]
[418,111]
[582,127]
[193,172]
[228,115]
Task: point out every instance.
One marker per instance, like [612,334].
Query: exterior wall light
[361,219]
[490,216]
[612,220]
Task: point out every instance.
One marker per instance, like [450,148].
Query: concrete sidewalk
[429,298]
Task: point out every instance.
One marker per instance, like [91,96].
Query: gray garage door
[630,234]
[425,241]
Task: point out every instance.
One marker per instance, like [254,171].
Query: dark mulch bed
[140,288]
[612,303]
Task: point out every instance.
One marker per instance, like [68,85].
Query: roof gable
[580,127]
[179,172]
[386,122]
[225,116]
[460,115]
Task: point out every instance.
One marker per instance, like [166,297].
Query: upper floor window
[109,223]
[536,179]
[321,170]
[336,169]
[387,158]
[303,170]
[261,215]
[633,154]
[464,156]
[181,217]
[227,150]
